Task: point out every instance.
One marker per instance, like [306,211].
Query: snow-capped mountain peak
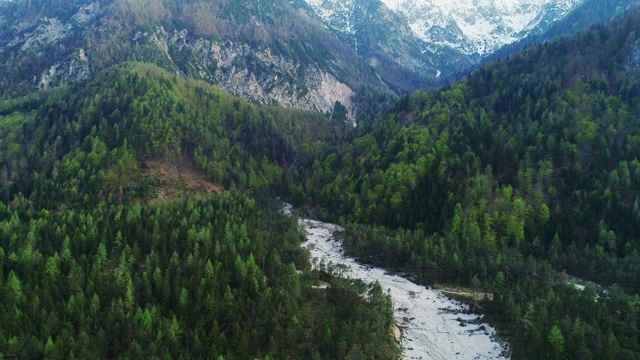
[477,27]
[474,28]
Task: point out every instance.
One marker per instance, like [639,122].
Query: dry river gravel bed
[432,325]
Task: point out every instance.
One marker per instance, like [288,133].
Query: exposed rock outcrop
[63,45]
[74,68]
[253,72]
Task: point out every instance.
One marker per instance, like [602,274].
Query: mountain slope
[144,113]
[430,42]
[584,15]
[426,43]
[481,27]
[96,263]
[557,124]
[524,172]
[384,40]
[267,52]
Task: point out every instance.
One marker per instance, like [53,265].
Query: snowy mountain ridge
[474,28]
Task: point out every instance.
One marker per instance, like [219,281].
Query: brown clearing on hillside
[178,184]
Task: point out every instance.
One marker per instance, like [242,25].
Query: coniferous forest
[516,180]
[92,268]
[138,211]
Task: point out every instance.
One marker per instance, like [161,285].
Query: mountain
[384,40]
[434,40]
[419,44]
[267,52]
[584,15]
[306,54]
[510,182]
[480,27]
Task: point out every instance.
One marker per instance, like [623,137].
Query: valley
[145,146]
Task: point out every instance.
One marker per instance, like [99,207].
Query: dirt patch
[173,183]
[477,295]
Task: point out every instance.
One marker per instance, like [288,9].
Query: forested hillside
[526,169]
[82,144]
[210,278]
[95,264]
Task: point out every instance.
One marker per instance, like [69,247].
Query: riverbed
[432,325]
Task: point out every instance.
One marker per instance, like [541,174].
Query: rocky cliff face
[253,72]
[72,69]
[633,63]
[47,50]
[61,46]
